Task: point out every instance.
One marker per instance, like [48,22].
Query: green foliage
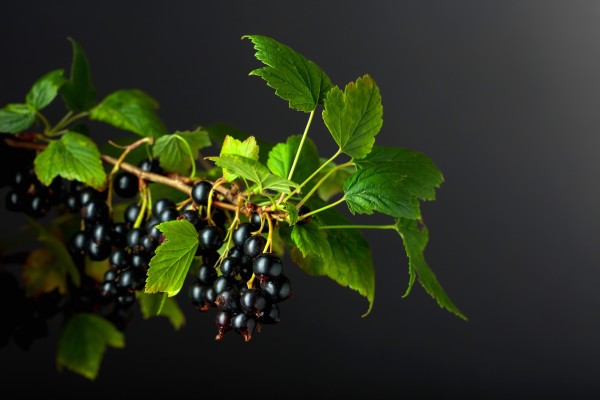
[74,156]
[248,175]
[354,116]
[45,89]
[296,79]
[170,265]
[253,171]
[79,93]
[131,110]
[16,118]
[415,236]
[83,341]
[281,158]
[348,262]
[159,304]
[178,151]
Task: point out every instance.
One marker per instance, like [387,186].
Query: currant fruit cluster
[245,285]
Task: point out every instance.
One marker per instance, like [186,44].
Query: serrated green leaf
[79,92]
[42,273]
[16,117]
[334,184]
[281,158]
[219,131]
[415,237]
[74,157]
[295,79]
[82,343]
[173,258]
[292,213]
[131,110]
[232,146]
[350,263]
[45,89]
[421,175]
[253,171]
[354,116]
[176,152]
[392,180]
[311,240]
[158,304]
[56,246]
[381,189]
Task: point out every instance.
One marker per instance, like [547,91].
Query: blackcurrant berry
[241,233]
[253,302]
[15,201]
[211,237]
[126,184]
[131,214]
[244,324]
[278,289]
[230,267]
[301,211]
[223,322]
[228,300]
[206,275]
[270,314]
[119,259]
[118,234]
[101,233]
[267,266]
[168,214]
[161,204]
[98,251]
[95,211]
[201,191]
[254,245]
[150,165]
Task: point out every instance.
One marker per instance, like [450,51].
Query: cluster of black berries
[246,285]
[28,195]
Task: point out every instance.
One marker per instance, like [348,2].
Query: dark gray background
[502,95]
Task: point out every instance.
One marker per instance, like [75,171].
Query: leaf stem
[335,203]
[310,118]
[337,153]
[47,126]
[321,181]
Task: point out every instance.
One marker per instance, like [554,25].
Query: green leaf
[219,131]
[391,181]
[173,258]
[15,117]
[42,273]
[74,157]
[415,236]
[131,110]
[176,152]
[254,171]
[57,248]
[350,263]
[334,184]
[82,343]
[381,189]
[232,146]
[158,304]
[354,116]
[421,175]
[311,240]
[292,213]
[281,158]
[45,89]
[295,79]
[79,92]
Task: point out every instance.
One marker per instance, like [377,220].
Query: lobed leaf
[232,146]
[173,258]
[79,92]
[415,236]
[45,89]
[131,110]
[74,157]
[281,158]
[16,117]
[179,150]
[354,116]
[43,273]
[295,79]
[253,171]
[83,341]
[218,132]
[350,263]
[422,176]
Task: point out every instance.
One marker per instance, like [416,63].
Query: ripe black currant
[201,191]
[254,245]
[126,184]
[211,237]
[267,266]
[241,233]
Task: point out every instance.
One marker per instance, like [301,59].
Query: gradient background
[502,95]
